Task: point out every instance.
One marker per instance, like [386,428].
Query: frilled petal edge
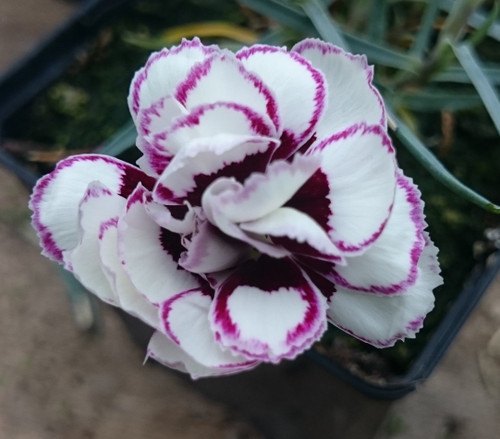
[268,317]
[57,195]
[381,320]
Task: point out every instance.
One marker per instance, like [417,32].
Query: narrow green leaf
[121,141]
[323,23]
[295,19]
[458,74]
[380,54]
[434,100]
[377,26]
[426,28]
[283,14]
[466,56]
[436,168]
[476,20]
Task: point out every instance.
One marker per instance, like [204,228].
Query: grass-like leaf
[121,141]
[466,56]
[436,168]
[295,19]
[426,28]
[324,23]
[377,27]
[283,14]
[434,100]
[459,75]
[475,20]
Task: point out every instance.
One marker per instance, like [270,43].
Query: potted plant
[414,47]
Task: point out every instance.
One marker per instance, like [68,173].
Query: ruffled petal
[164,71]
[152,123]
[206,159]
[210,120]
[261,193]
[185,321]
[227,202]
[352,98]
[389,266]
[222,78]
[177,218]
[150,254]
[285,73]
[128,297]
[98,205]
[209,250]
[159,116]
[218,218]
[162,349]
[381,320]
[360,170]
[296,232]
[265,316]
[56,197]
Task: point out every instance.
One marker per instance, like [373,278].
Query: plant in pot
[414,46]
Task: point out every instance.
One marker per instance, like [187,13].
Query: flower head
[267,201]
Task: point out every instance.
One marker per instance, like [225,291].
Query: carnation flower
[266,203]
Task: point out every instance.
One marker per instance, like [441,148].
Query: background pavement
[58,382]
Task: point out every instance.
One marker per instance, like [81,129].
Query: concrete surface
[57,382]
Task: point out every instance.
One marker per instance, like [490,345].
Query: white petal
[222,78]
[57,195]
[390,265]
[262,193]
[381,320]
[209,251]
[164,216]
[159,116]
[129,298]
[166,352]
[351,96]
[300,91]
[360,169]
[150,253]
[204,159]
[163,72]
[210,120]
[185,320]
[300,232]
[268,310]
[99,205]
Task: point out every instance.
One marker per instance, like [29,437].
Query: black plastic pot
[53,56]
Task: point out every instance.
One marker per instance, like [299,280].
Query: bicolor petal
[162,349]
[56,197]
[359,167]
[262,192]
[381,320]
[352,98]
[389,266]
[185,320]
[209,250]
[129,299]
[164,71]
[150,254]
[204,160]
[210,120]
[299,112]
[297,232]
[268,317]
[223,78]
[98,205]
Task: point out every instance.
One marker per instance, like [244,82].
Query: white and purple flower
[267,202]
